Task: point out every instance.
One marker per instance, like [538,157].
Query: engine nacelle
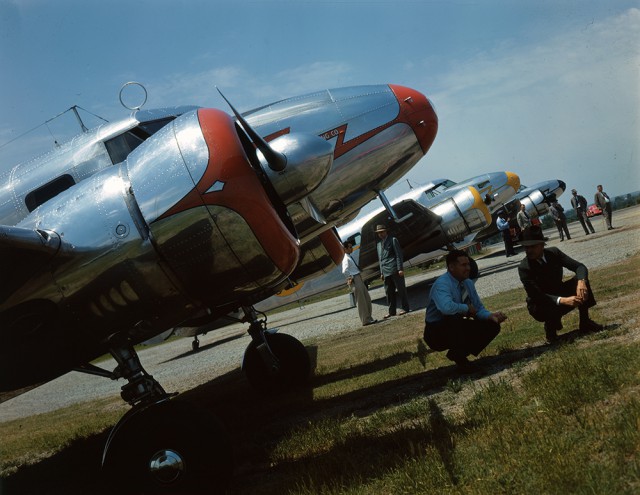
[462,214]
[309,160]
[210,217]
[535,204]
[319,256]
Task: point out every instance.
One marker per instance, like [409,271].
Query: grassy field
[385,415]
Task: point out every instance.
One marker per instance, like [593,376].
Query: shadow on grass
[257,422]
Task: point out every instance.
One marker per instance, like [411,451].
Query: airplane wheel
[292,356]
[475,271]
[195,345]
[172,447]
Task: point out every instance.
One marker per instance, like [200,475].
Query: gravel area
[177,368]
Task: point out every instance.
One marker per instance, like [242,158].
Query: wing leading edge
[23,253]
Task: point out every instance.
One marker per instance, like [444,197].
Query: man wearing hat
[390,259]
[579,204]
[549,298]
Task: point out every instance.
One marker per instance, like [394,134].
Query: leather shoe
[590,326]
[466,367]
[551,332]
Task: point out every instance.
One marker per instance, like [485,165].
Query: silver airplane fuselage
[459,211]
[536,199]
[113,242]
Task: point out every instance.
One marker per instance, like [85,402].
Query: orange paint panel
[333,245]
[241,190]
[416,110]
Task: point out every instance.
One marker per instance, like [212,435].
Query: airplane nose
[417,111]
[513,180]
[562,185]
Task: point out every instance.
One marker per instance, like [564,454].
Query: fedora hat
[532,236]
[380,228]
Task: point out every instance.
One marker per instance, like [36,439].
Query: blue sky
[546,89]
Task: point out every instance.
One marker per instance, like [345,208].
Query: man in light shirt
[456,320]
[354,280]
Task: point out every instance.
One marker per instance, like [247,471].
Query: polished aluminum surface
[534,203]
[81,157]
[168,166]
[185,225]
[166,466]
[106,268]
[462,214]
[309,160]
[388,148]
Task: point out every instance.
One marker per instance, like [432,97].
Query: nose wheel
[170,447]
[274,361]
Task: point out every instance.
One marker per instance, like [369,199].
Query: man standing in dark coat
[603,202]
[391,270]
[549,298]
[557,212]
[579,204]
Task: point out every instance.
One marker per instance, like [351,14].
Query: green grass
[385,415]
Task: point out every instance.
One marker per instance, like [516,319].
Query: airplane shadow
[205,347]
[256,421]
[311,318]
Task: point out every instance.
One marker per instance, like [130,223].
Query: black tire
[177,427]
[293,360]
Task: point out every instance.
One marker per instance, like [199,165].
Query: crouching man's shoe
[551,332]
[590,326]
[463,365]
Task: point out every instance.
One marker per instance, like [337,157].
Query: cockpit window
[121,146]
[51,189]
[439,189]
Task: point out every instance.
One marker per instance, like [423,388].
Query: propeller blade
[276,160]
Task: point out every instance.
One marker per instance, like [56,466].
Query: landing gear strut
[273,361]
[161,445]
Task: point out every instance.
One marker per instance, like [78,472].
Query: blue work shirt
[502,224]
[445,299]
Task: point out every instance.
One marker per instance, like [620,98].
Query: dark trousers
[562,226]
[551,313]
[391,284]
[508,242]
[606,214]
[461,336]
[584,221]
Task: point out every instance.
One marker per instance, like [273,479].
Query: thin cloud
[546,110]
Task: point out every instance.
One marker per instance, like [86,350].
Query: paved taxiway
[177,368]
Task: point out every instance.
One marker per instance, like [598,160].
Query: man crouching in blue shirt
[456,319]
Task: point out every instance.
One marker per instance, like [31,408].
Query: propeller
[277,161]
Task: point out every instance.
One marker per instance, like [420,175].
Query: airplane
[178,217]
[432,222]
[455,213]
[536,199]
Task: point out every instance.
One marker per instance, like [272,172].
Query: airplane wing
[23,252]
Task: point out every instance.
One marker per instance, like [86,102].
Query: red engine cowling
[319,255]
[211,220]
